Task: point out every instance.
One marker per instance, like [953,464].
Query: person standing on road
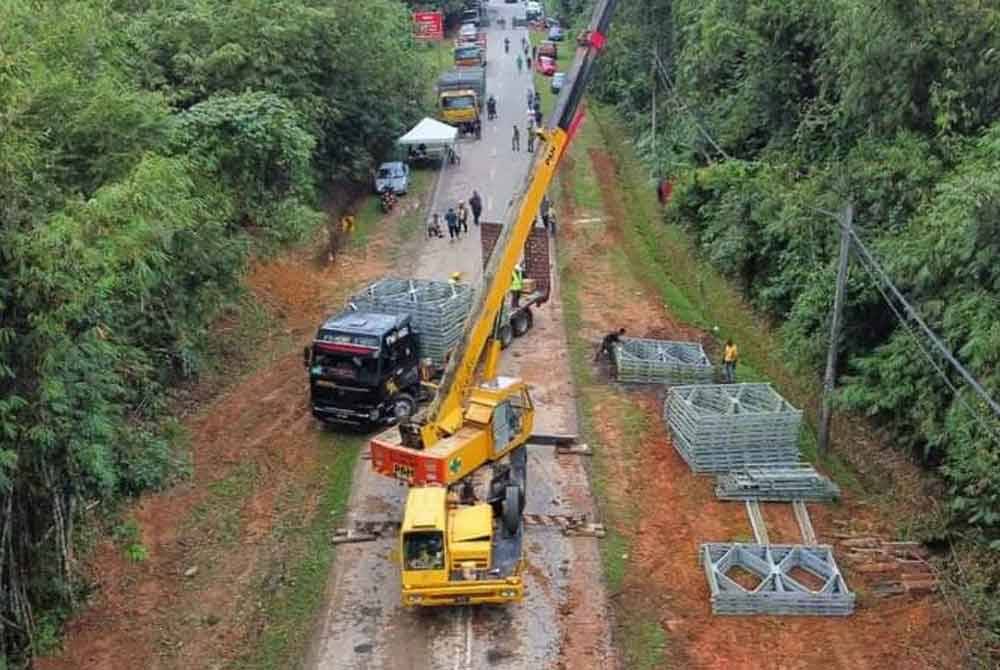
[730,356]
[463,217]
[476,204]
[537,100]
[515,141]
[491,108]
[451,218]
[531,140]
[538,116]
[506,45]
[520,64]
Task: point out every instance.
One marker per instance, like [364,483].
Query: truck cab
[469,55]
[460,108]
[457,554]
[363,368]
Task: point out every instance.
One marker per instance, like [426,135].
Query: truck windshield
[344,367]
[458,102]
[348,338]
[423,550]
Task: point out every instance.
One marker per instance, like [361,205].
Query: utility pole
[656,157]
[830,378]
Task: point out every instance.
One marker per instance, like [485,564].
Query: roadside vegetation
[147,151]
[769,112]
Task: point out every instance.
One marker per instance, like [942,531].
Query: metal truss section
[776,483]
[788,580]
[438,308]
[724,427]
[644,361]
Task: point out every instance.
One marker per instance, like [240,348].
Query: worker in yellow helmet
[730,355]
[516,285]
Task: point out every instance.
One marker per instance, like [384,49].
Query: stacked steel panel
[645,361]
[722,427]
[438,310]
[782,573]
[777,483]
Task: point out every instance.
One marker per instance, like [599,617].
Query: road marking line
[468,638]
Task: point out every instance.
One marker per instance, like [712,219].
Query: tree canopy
[146,148]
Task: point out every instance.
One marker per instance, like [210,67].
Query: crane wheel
[512,506]
[522,322]
[506,336]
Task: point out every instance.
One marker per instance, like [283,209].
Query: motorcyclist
[491,108]
[388,198]
[506,45]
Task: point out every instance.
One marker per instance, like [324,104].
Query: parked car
[533,10]
[545,66]
[555,33]
[558,80]
[395,175]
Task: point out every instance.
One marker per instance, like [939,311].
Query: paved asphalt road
[564,614]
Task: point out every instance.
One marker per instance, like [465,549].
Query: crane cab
[498,418]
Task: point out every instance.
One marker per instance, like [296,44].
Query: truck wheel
[512,507]
[506,336]
[522,322]
[403,406]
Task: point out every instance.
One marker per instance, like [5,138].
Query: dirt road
[563,621]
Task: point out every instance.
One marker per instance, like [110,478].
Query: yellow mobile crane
[463,552]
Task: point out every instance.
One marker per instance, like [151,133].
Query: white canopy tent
[430,132]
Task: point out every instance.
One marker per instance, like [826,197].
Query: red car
[546,66]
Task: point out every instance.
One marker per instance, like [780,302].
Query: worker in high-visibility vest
[730,355]
[516,285]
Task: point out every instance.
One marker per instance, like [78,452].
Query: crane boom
[445,415]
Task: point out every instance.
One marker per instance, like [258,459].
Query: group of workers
[457,218]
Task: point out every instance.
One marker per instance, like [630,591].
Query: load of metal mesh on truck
[438,309]
[723,427]
[644,361]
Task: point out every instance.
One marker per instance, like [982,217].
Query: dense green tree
[145,147]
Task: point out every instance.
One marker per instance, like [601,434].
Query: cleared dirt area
[223,542]
[665,512]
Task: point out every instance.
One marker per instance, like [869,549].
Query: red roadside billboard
[428,25]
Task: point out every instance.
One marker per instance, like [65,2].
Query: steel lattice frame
[643,361]
[439,309]
[776,483]
[778,591]
[722,427]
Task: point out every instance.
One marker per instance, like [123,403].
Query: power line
[912,313]
[680,101]
[880,277]
[881,280]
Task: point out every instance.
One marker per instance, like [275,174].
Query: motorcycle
[387,199]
